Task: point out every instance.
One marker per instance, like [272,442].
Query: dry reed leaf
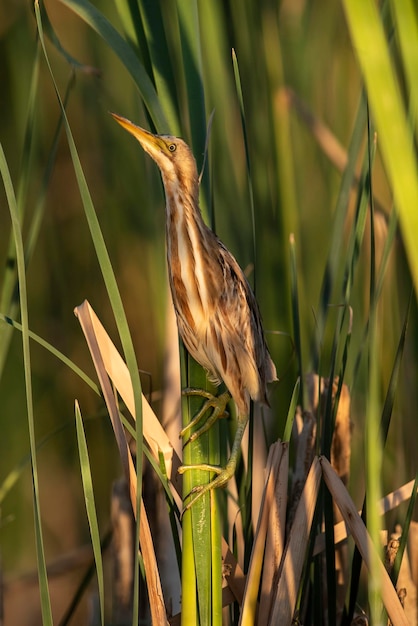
[363,541]
[260,452]
[275,534]
[341,438]
[232,574]
[394,499]
[290,571]
[152,576]
[305,429]
[87,317]
[84,313]
[118,372]
[388,503]
[249,606]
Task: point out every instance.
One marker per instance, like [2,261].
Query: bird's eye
[172,147]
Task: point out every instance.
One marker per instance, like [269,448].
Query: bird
[218,316]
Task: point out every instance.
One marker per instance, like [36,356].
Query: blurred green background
[300,44]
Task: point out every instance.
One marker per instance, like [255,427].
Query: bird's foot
[217,403]
[223,474]
[223,477]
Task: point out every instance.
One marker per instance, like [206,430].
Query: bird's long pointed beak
[148,141]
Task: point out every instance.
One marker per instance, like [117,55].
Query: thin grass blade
[20,259]
[238,88]
[292,412]
[405,532]
[53,37]
[394,379]
[54,351]
[188,16]
[97,21]
[161,62]
[90,506]
[9,302]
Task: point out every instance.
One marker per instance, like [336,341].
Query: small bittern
[217,314]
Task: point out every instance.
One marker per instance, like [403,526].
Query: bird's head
[172,155]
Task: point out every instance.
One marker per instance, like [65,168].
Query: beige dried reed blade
[363,542]
[388,503]
[117,371]
[275,541]
[295,552]
[106,364]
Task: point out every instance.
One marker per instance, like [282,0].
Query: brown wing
[235,339]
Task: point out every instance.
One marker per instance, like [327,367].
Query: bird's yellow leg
[224,474]
[217,403]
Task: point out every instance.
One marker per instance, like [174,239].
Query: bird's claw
[224,475]
[217,403]
[206,467]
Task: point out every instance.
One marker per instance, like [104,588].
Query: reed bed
[302,118]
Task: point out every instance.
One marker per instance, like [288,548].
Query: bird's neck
[186,250]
